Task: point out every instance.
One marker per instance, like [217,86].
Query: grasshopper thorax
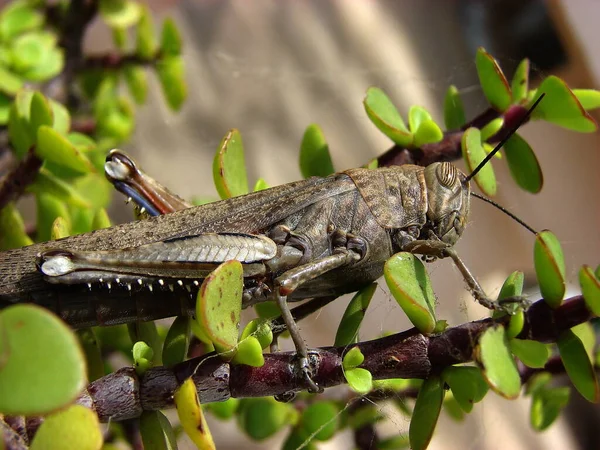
[448,201]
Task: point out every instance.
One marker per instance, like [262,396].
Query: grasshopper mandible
[312,239]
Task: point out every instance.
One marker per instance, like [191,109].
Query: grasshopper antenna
[492,153]
[503,141]
[504,210]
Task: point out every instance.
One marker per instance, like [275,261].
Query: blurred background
[270,68]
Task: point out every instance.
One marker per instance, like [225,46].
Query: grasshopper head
[448,201]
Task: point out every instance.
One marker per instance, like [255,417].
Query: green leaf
[219,305]
[315,159]
[546,406]
[416,116]
[62,119]
[589,98]
[10,83]
[533,354]
[491,129]
[578,366]
[493,82]
[561,107]
[170,39]
[147,332]
[5,103]
[409,283]
[74,428]
[321,420]
[120,13]
[157,432]
[191,416]
[29,50]
[91,350]
[142,357]
[260,185]
[50,65]
[261,418]
[452,408]
[18,17]
[101,220]
[473,154]
[386,117]
[586,334]
[170,72]
[45,369]
[550,267]
[347,332]
[359,380]
[119,36]
[177,341]
[59,229]
[12,229]
[523,164]
[428,133]
[398,442]
[426,412]
[261,330]
[56,148]
[513,285]
[137,82]
[467,384]
[49,208]
[40,112]
[353,358]
[18,123]
[520,82]
[229,168]
[146,45]
[496,361]
[249,352]
[224,410]
[454,110]
[590,288]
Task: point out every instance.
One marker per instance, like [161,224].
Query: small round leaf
[496,361]
[177,341]
[473,154]
[229,168]
[550,267]
[321,420]
[353,358]
[561,107]
[454,110]
[590,288]
[347,332]
[493,82]
[409,283]
[428,133]
[54,147]
[249,352]
[171,74]
[191,416]
[74,428]
[45,368]
[260,418]
[359,380]
[157,432]
[523,164]
[219,305]
[386,117]
[520,82]
[546,406]
[578,366]
[533,354]
[170,39]
[315,159]
[467,385]
[426,412]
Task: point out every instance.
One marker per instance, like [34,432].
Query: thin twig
[15,182]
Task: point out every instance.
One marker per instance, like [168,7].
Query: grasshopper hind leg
[287,283]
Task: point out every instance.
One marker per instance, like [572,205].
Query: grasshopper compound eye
[55,263]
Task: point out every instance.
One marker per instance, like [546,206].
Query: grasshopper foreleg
[287,283]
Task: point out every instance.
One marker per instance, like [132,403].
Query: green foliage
[409,283]
[71,196]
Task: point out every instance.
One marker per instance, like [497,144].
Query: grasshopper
[312,239]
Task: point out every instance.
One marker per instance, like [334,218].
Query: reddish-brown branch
[15,182]
[115,61]
[123,395]
[449,148]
